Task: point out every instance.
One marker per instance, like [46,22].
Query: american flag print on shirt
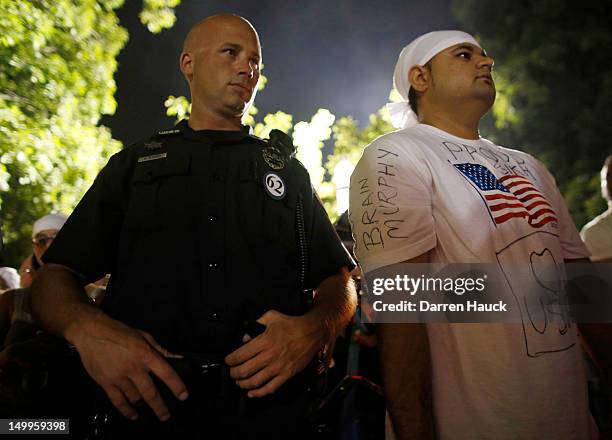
[509,196]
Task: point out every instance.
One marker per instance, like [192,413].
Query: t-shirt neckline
[442,133]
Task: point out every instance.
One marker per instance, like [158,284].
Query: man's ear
[186,65]
[419,78]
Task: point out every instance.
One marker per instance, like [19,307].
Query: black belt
[194,365]
[209,384]
[205,376]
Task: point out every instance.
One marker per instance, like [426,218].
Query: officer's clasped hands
[287,345]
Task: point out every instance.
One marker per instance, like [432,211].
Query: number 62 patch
[275,187]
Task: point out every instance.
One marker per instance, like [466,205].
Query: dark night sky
[337,55]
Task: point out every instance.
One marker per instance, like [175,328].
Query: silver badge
[152,157]
[274,158]
[153,145]
[275,187]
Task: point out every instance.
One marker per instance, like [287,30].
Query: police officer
[203,228]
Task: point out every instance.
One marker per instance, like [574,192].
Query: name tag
[152,157]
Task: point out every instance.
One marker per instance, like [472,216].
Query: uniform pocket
[158,187]
[159,183]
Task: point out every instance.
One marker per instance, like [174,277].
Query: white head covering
[418,53]
[10,276]
[49,221]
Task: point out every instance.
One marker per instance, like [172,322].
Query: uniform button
[213,265]
[212,218]
[216,178]
[214,316]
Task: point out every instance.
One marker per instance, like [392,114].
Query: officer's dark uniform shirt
[199,230]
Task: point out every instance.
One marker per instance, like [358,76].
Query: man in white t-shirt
[436,192]
[597,234]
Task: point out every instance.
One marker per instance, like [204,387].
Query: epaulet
[261,142]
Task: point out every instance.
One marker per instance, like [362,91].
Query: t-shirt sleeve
[327,253]
[572,246]
[87,243]
[391,205]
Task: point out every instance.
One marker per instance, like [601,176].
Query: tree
[56,81]
[554,77]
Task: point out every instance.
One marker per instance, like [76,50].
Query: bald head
[221,59]
[202,30]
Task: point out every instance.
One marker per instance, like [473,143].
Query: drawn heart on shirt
[546,274]
[545,271]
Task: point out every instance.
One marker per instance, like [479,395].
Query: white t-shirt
[597,235]
[469,201]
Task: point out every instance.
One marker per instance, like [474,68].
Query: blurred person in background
[35,367]
[15,313]
[44,231]
[597,234]
[9,279]
[26,271]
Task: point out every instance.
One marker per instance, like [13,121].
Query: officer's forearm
[334,303]
[59,302]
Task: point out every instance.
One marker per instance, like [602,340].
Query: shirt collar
[213,135]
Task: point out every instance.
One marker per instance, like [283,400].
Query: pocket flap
[154,166]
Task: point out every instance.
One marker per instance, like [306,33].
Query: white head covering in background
[418,53]
[49,221]
[10,277]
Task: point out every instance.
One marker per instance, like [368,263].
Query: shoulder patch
[274,158]
[278,150]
